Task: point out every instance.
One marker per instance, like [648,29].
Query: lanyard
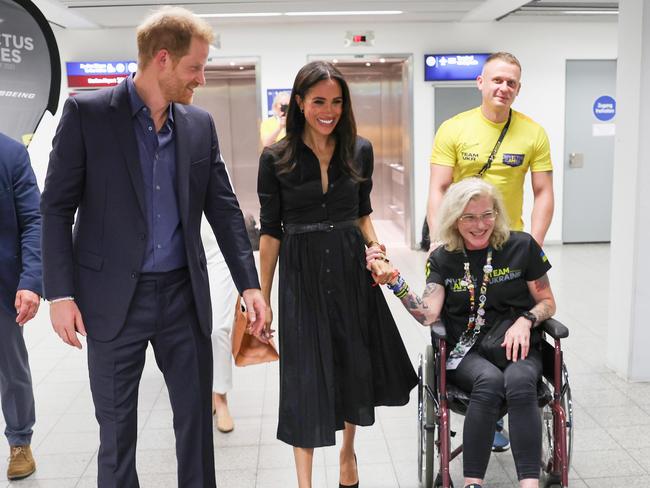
[493,154]
[477,313]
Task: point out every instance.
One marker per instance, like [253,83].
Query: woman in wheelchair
[489,287]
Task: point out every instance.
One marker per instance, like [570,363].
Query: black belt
[319,227]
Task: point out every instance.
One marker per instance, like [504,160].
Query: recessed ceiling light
[382,60]
[232,63]
[241,67]
[368,64]
[349,12]
[335,61]
[242,14]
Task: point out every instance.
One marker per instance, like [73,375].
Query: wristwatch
[530,316]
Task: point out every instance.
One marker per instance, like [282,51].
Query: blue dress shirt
[165,243]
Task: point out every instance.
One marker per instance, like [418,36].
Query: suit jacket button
[143,236]
[134,275]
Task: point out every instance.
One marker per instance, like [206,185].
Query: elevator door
[378,95]
[230,96]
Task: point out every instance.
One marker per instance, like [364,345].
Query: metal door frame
[407,58]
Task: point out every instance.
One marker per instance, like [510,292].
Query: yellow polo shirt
[268,126]
[465,142]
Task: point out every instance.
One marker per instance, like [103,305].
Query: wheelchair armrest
[555,328]
[438,330]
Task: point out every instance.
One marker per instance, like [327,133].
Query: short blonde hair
[453,205]
[503,56]
[170,28]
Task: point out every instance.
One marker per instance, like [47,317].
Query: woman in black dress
[340,351]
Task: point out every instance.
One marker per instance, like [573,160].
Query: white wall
[542,49]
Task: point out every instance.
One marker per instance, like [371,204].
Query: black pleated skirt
[341,354]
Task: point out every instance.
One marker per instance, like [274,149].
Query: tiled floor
[612,417]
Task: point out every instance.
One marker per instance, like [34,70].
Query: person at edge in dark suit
[140,166]
[20,296]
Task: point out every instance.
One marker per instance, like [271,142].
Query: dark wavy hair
[345,131]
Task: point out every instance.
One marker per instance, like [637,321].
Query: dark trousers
[489,387]
[16,391]
[162,312]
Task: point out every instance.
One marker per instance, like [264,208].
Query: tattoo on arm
[416,306]
[542,311]
[429,289]
[542,283]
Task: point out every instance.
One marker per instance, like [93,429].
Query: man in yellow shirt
[273,128]
[464,146]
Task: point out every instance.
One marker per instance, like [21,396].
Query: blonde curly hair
[453,205]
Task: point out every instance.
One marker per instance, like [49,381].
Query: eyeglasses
[488,217]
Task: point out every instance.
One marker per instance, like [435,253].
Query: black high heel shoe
[356,485]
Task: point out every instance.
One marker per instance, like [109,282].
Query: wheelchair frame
[434,412]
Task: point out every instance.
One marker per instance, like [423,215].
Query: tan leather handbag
[246,348]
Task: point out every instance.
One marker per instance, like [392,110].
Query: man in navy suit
[140,167]
[20,290]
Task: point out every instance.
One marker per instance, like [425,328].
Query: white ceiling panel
[128,13]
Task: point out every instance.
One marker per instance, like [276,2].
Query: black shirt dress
[340,351]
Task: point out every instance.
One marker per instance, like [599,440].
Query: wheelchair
[436,398]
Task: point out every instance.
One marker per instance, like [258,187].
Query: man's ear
[479,82]
[162,58]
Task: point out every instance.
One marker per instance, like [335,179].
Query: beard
[176,91]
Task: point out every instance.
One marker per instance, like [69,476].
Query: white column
[628,345]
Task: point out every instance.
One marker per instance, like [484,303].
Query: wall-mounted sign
[605,108]
[30,69]
[271,93]
[453,67]
[366,38]
[98,74]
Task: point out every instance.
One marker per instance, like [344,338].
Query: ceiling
[127,13]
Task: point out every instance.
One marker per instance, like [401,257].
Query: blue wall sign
[453,67]
[605,108]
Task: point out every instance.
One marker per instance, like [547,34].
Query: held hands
[67,322]
[259,323]
[518,335]
[26,305]
[378,264]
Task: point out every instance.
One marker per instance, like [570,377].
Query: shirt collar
[138,104]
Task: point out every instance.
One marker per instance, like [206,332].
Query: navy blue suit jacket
[94,171]
[20,224]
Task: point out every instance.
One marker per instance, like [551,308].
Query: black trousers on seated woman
[489,387]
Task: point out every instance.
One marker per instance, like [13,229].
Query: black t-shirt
[519,260]
[297,197]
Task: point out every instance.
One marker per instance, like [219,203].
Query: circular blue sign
[605,108]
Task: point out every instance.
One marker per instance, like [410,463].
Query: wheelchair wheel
[427,422]
[550,476]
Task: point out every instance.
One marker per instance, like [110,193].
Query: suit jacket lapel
[183,150]
[122,123]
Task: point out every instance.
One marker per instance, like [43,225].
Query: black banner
[30,69]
